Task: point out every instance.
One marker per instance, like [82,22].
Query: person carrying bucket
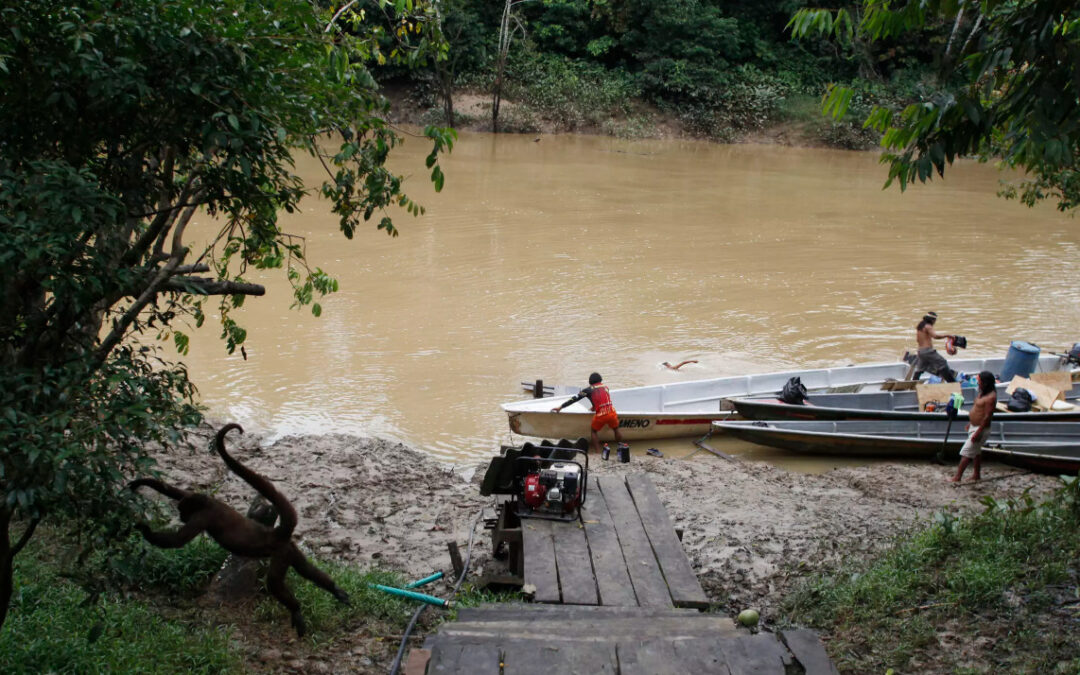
[603,413]
[928,359]
[978,428]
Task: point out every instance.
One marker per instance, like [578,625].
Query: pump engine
[554,489]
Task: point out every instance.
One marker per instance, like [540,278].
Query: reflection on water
[552,259]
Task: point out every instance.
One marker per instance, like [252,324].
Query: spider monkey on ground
[241,535]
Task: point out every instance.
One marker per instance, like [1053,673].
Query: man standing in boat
[603,412]
[928,359]
[978,428]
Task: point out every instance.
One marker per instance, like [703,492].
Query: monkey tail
[164,488]
[263,486]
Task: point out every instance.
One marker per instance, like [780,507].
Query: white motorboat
[681,409]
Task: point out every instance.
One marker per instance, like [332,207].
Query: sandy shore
[751,530]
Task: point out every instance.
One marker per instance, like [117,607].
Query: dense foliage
[720,67]
[1008,87]
[1005,582]
[119,120]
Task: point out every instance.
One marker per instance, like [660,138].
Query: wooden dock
[612,593]
[623,553]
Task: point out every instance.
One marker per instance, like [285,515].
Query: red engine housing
[534,491]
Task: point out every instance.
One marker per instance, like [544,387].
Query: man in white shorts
[979,427]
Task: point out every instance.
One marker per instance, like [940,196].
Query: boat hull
[632,427]
[1040,446]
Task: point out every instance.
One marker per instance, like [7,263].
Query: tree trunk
[7,558]
[500,65]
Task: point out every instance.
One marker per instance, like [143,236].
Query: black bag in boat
[1021,401]
[960,342]
[794,392]
[1074,354]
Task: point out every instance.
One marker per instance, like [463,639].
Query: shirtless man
[603,410]
[928,360]
[978,428]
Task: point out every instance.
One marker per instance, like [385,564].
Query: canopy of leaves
[119,120]
[1009,88]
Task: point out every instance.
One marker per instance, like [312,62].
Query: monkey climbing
[241,535]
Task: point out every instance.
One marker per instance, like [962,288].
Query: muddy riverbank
[752,530]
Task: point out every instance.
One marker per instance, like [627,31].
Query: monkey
[241,535]
[668,365]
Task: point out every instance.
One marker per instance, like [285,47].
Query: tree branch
[120,327]
[207,286]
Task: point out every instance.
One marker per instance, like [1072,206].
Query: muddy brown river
[554,258]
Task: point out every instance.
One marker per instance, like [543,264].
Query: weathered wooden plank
[681,580]
[609,567]
[701,655]
[608,630]
[649,585]
[464,658]
[649,657]
[575,567]
[538,549]
[532,657]
[760,654]
[808,650]
[521,611]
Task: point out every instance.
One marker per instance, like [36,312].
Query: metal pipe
[412,595]
[426,580]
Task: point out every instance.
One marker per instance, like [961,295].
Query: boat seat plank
[538,548]
[683,584]
[609,566]
[649,585]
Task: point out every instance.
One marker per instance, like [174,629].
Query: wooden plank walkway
[540,640]
[623,553]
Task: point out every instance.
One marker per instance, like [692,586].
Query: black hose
[396,666]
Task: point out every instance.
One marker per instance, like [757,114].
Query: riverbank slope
[752,531]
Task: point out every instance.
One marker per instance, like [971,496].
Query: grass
[54,626]
[998,589]
[142,615]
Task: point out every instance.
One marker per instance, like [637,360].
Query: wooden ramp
[513,639]
[623,553]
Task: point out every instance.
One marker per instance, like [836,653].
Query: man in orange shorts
[603,411]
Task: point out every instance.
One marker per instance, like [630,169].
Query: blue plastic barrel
[1021,360]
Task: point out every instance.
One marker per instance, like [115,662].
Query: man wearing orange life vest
[603,410]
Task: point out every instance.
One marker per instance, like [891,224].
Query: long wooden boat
[886,405]
[1053,446]
[689,408]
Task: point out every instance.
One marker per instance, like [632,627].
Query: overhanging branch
[207,286]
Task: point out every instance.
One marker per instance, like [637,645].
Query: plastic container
[1021,360]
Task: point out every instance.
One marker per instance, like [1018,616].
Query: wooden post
[455,558]
[538,389]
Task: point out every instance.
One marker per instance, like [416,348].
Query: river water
[555,257]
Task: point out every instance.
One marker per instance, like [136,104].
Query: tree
[506,36]
[1008,88]
[119,120]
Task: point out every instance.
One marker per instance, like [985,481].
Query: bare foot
[954,479]
[975,479]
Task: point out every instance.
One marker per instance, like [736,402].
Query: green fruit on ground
[749,617]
